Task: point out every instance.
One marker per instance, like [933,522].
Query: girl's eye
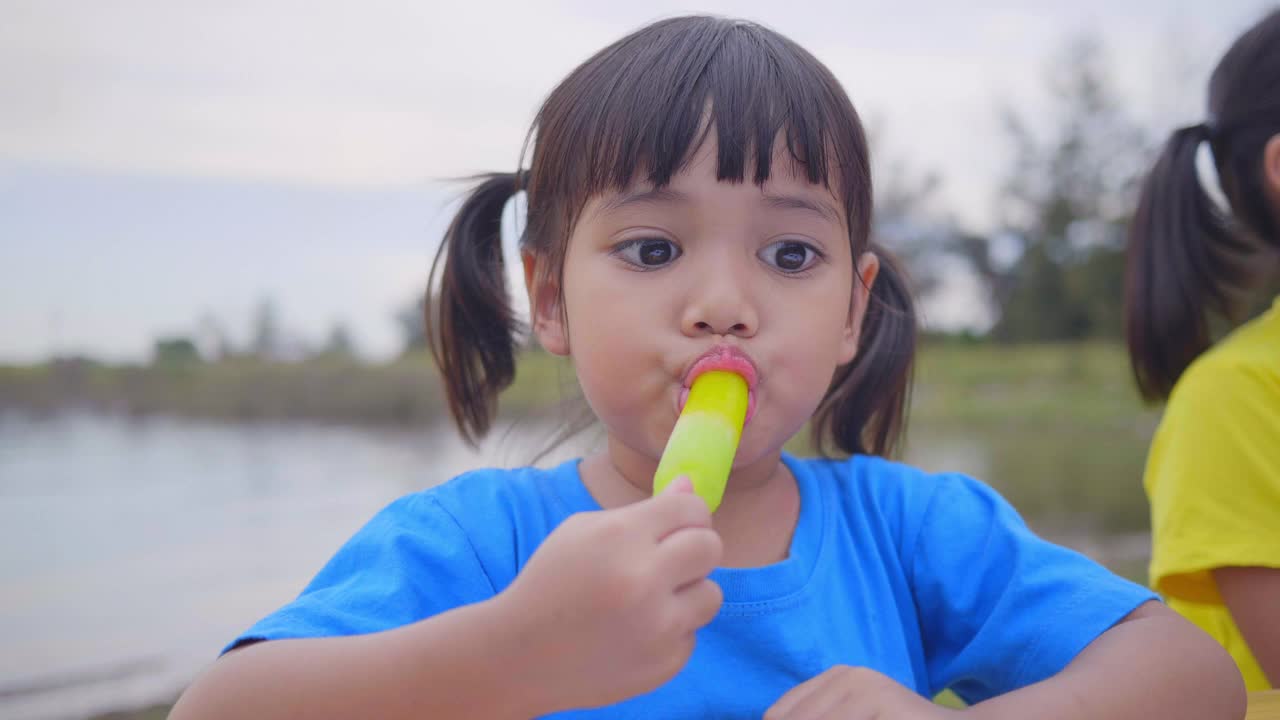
[790,256]
[648,253]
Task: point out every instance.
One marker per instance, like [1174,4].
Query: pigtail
[471,327]
[865,410]
[1184,260]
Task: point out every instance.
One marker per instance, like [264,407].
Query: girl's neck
[756,518]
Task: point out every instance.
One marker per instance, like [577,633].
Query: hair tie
[1203,131]
[1210,181]
[1212,129]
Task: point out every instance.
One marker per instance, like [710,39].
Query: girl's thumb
[682,484]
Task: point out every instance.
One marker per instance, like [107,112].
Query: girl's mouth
[722,357]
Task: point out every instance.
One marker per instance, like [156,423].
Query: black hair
[638,110]
[1188,260]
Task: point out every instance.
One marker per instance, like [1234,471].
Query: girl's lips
[722,357]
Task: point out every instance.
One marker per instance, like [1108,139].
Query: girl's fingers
[688,555]
[822,702]
[701,600]
[799,698]
[670,511]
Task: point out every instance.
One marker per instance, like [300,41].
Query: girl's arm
[1252,594]
[605,609]
[1153,664]
[463,663]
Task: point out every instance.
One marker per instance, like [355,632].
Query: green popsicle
[705,438]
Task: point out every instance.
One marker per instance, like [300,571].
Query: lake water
[134,550]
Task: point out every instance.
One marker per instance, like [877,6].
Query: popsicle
[705,438]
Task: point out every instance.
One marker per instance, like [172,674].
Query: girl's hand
[854,693]
[609,603]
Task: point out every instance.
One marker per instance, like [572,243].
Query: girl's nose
[719,306]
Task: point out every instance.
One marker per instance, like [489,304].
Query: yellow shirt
[1213,479]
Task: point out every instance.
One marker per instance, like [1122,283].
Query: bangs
[641,108]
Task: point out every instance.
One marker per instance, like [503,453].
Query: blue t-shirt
[933,580]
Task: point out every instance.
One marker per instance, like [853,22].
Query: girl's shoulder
[866,488]
[488,492]
[1252,347]
[872,474]
[1240,374]
[497,516]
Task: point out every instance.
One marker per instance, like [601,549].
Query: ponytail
[471,327]
[865,409]
[1185,258]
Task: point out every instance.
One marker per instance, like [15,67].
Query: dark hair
[1187,258]
[640,108]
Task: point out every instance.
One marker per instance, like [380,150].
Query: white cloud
[396,90]
[381,95]
[313,92]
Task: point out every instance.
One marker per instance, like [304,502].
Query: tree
[211,338]
[174,352]
[267,340]
[339,343]
[413,327]
[907,221]
[907,224]
[1066,202]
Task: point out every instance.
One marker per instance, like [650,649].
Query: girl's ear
[545,313]
[866,270]
[1271,172]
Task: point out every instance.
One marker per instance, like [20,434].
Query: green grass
[1040,385]
[1057,428]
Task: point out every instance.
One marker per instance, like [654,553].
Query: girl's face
[655,280]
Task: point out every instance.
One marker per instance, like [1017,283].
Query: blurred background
[216,220]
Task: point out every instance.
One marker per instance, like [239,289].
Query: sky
[163,161]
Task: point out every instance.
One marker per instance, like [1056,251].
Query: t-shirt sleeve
[411,561]
[1000,608]
[1213,479]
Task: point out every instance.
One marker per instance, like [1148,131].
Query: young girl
[1213,473]
[699,197]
